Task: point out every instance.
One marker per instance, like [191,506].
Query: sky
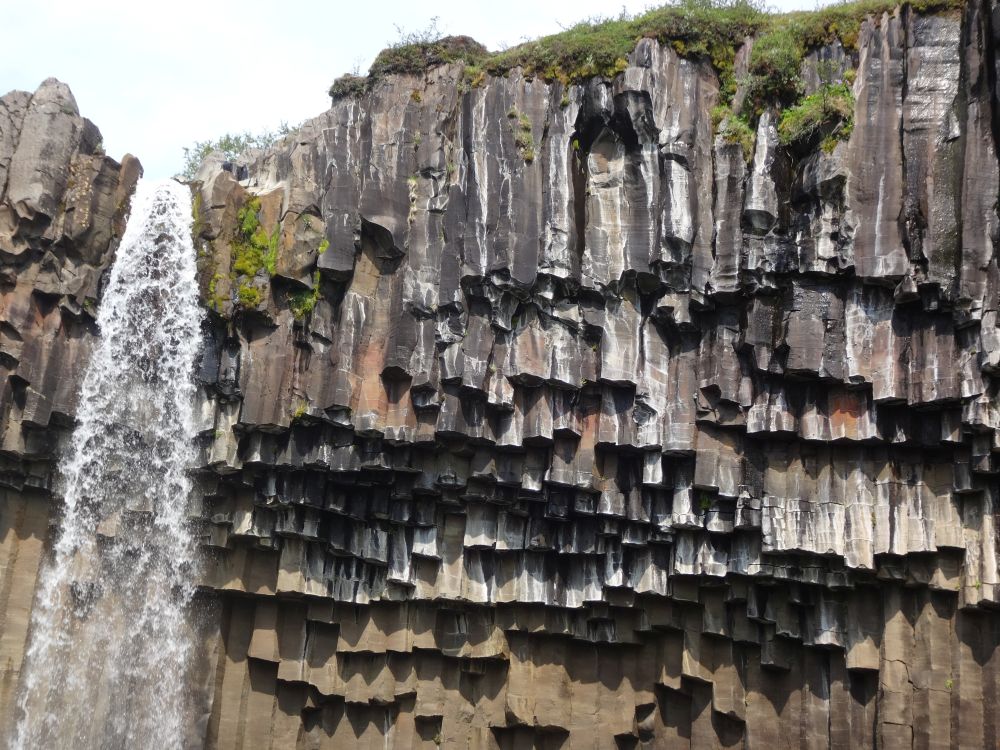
[158,76]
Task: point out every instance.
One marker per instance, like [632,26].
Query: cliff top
[699,29]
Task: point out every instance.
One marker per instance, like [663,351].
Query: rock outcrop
[534,415]
[63,205]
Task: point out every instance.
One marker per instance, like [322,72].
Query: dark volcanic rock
[558,422]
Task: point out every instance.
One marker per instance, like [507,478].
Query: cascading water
[111,633]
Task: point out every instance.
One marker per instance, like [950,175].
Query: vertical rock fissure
[111,636]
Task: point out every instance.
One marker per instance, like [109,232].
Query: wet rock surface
[556,423]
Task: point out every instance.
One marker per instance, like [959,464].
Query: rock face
[546,420]
[63,205]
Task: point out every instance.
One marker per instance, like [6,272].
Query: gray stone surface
[591,434]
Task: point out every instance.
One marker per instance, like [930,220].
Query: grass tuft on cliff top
[696,29]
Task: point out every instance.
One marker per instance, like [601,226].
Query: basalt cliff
[543,414]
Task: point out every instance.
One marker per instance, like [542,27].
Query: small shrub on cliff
[348,86]
[734,129]
[829,113]
[302,303]
[775,65]
[523,139]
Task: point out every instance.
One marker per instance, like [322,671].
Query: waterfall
[111,636]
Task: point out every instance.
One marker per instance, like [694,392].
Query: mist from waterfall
[111,638]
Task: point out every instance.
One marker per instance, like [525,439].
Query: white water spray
[111,636]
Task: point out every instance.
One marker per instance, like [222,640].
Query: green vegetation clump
[302,303]
[705,501]
[734,129]
[774,69]
[829,113]
[418,51]
[271,255]
[522,134]
[473,77]
[253,248]
[348,86]
[299,411]
[323,246]
[248,295]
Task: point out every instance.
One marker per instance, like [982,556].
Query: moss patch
[253,248]
[734,129]
[253,251]
[248,295]
[523,139]
[302,303]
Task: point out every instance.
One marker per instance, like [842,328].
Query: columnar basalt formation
[543,418]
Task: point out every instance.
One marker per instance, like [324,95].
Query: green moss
[735,129]
[253,248]
[247,217]
[829,113]
[248,296]
[323,246]
[523,139]
[249,256]
[299,411]
[271,254]
[473,76]
[302,303]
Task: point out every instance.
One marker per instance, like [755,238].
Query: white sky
[157,75]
